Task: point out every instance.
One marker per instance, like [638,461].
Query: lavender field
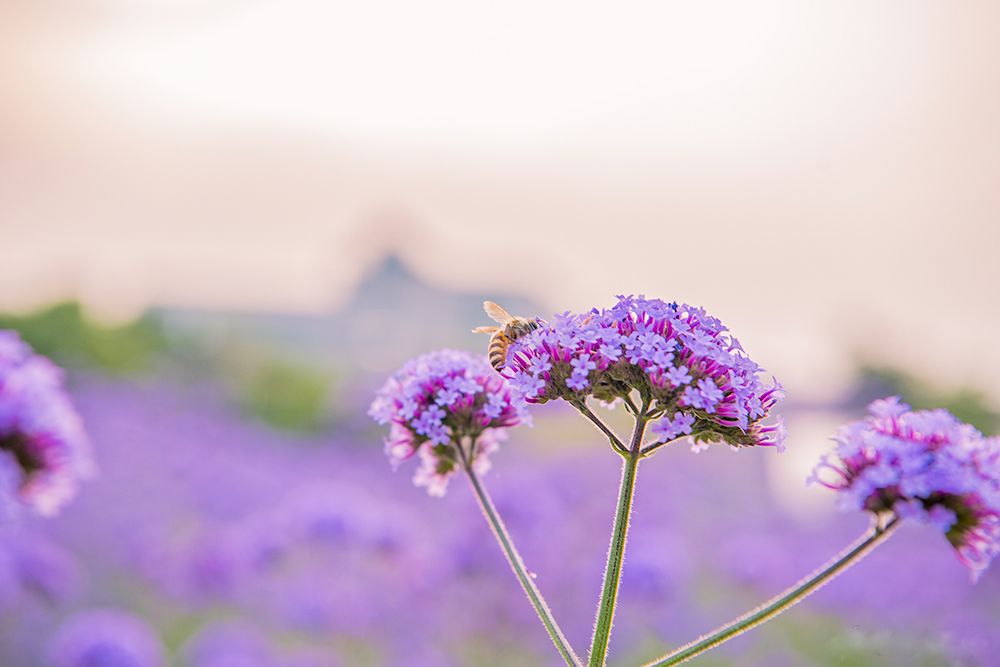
[212,538]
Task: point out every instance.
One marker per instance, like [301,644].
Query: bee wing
[497,313]
[486,330]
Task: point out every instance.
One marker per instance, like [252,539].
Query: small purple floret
[669,429]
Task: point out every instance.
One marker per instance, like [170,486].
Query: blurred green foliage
[358,652]
[488,652]
[64,333]
[806,638]
[285,394]
[967,404]
[825,640]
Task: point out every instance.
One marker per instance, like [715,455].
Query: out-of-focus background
[231,219]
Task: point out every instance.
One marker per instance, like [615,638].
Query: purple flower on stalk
[42,441]
[678,356]
[480,405]
[924,465]
[105,638]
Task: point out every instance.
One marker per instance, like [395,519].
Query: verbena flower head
[438,401]
[105,638]
[924,465]
[42,441]
[696,374]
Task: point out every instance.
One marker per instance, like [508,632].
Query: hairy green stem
[616,552]
[862,547]
[615,441]
[517,565]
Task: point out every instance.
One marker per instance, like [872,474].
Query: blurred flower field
[218,536]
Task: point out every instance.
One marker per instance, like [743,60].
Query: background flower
[105,638]
[42,442]
[923,465]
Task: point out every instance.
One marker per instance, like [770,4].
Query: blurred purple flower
[228,645]
[677,354]
[41,436]
[923,465]
[439,400]
[45,568]
[105,638]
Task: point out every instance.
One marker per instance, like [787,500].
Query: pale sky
[824,176]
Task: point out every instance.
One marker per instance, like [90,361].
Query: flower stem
[616,443]
[616,552]
[855,552]
[520,571]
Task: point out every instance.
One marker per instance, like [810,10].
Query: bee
[511,328]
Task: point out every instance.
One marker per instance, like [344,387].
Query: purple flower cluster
[696,376]
[44,452]
[924,465]
[437,402]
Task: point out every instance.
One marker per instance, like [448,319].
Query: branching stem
[517,565]
[800,591]
[616,442]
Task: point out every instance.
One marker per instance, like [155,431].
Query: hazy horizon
[818,198]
